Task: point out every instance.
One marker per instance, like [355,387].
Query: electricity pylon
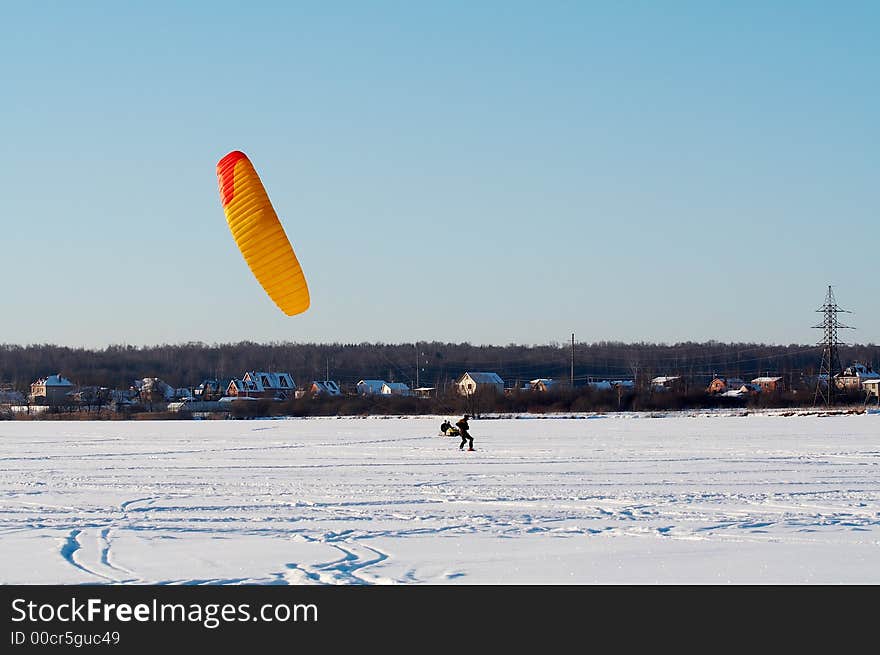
[830,348]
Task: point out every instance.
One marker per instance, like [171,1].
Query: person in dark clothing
[448,430]
[463,427]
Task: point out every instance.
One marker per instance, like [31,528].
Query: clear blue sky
[490,172]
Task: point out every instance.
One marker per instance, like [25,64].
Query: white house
[395,389]
[369,387]
[473,382]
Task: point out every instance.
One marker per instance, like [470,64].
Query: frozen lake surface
[685,499]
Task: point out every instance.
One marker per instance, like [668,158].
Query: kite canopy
[259,234]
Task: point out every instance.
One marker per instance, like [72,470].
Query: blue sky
[490,172]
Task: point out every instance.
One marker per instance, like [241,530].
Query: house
[543,385]
[261,384]
[722,384]
[51,390]
[123,396]
[210,389]
[395,389]
[369,387]
[667,383]
[742,391]
[424,392]
[474,382]
[238,388]
[608,385]
[153,390]
[854,377]
[183,393]
[872,389]
[768,384]
[324,388]
[91,395]
[122,399]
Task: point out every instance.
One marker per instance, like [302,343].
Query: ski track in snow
[347,495]
[351,568]
[73,545]
[69,547]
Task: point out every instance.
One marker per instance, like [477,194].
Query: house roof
[276,380]
[483,377]
[766,379]
[327,386]
[397,386]
[214,382]
[665,378]
[372,385]
[859,371]
[55,381]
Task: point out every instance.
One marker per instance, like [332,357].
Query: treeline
[432,364]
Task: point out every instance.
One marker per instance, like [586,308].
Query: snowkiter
[463,427]
[448,430]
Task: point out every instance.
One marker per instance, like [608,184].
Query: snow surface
[684,499]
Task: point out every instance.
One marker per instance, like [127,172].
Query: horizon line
[556,344]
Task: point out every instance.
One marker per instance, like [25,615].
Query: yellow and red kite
[259,234]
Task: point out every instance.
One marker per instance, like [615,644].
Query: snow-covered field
[620,499]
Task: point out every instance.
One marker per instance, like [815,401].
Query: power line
[830,343]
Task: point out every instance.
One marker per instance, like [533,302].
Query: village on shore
[255,392]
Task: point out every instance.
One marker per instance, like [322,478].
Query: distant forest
[427,364]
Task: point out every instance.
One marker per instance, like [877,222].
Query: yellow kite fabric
[259,234]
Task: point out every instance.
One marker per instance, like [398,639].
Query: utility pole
[830,348]
[572,360]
